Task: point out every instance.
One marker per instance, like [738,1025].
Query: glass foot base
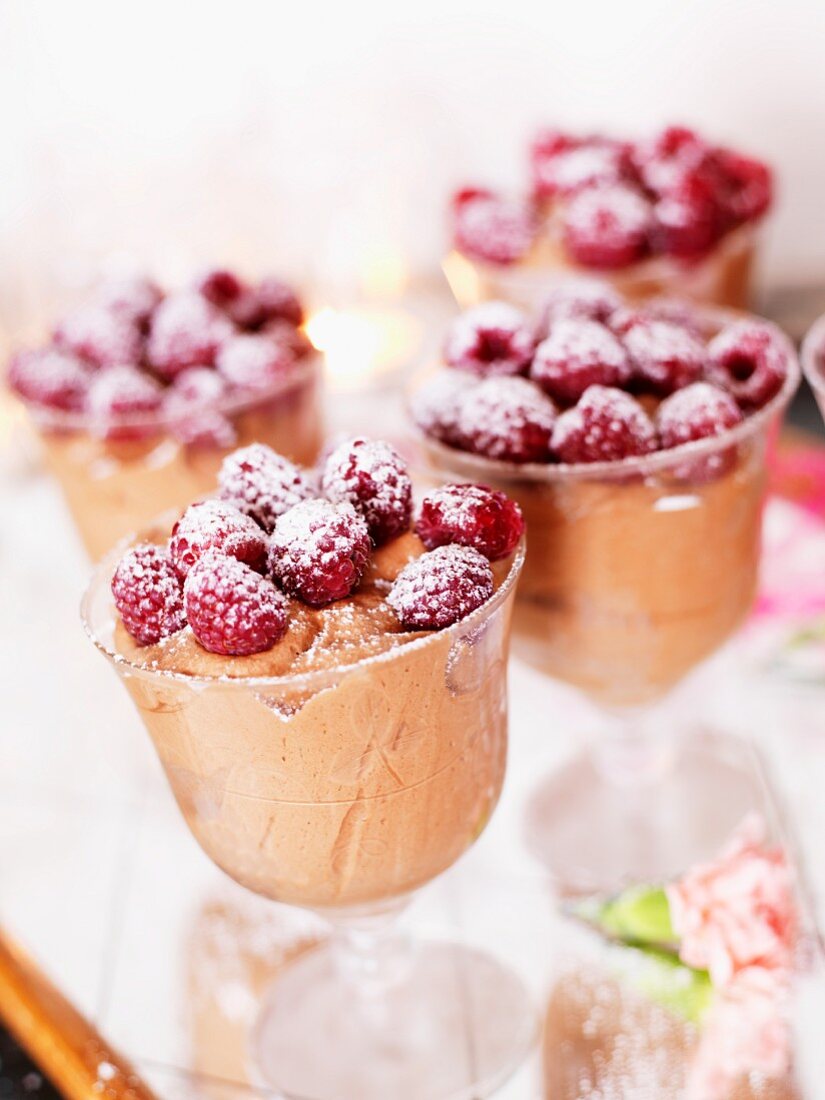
[596,835]
[453,1027]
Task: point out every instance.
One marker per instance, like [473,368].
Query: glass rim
[655,462]
[813,356]
[232,403]
[738,235]
[318,678]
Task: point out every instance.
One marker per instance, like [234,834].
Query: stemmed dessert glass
[813,361]
[343,790]
[113,483]
[636,572]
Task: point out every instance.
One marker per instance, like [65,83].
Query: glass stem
[636,748]
[371,953]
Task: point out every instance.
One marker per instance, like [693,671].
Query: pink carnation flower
[745,1033]
[737,911]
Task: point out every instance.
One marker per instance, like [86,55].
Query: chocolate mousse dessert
[674,214]
[324,679]
[140,393]
[634,440]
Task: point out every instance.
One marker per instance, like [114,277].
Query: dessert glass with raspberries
[634,440]
[140,393]
[813,361]
[322,669]
[674,214]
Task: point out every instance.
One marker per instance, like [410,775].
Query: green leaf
[662,978]
[639,915]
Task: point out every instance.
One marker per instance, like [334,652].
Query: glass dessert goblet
[637,570]
[813,361]
[343,790]
[114,481]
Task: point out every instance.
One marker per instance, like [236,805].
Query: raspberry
[261,483]
[750,186]
[253,361]
[607,227]
[51,378]
[134,296]
[220,287]
[287,336]
[508,419]
[147,594]
[198,387]
[605,426]
[585,163]
[103,337]
[191,406]
[471,515]
[435,405]
[588,299]
[696,412]
[749,359]
[578,354]
[319,551]
[123,394]
[187,331]
[493,229]
[441,587]
[216,525]
[372,477]
[665,356]
[270,300]
[663,159]
[206,428]
[469,194]
[492,338]
[231,609]
[689,216]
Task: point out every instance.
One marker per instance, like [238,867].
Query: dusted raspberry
[287,336]
[372,477]
[607,227]
[187,331]
[198,386]
[216,525]
[665,356]
[469,194]
[750,359]
[220,287]
[147,594]
[605,426]
[750,186]
[123,394]
[588,299]
[103,337]
[493,229]
[441,587]
[471,515]
[689,217]
[663,159]
[231,609]
[51,378]
[319,551]
[696,412]
[492,338]
[261,483]
[253,361]
[269,300]
[207,429]
[135,296]
[192,407]
[435,405]
[508,419]
[588,162]
[578,354]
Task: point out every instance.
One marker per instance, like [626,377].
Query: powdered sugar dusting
[319,550]
[435,405]
[372,477]
[122,391]
[103,337]
[607,226]
[49,377]
[589,299]
[252,361]
[216,525]
[495,229]
[231,609]
[665,355]
[441,587]
[507,418]
[147,593]
[491,338]
[262,484]
[187,331]
[577,354]
[606,425]
[696,412]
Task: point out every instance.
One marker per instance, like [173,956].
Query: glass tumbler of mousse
[635,443]
[140,394]
[328,701]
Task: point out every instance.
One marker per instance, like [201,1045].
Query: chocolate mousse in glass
[635,441]
[672,215]
[326,692]
[813,361]
[140,394]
